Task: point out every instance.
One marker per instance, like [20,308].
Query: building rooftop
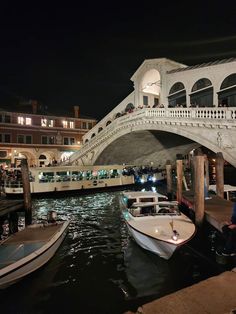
[202,65]
[27,108]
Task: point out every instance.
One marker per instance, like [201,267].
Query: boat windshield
[152,209]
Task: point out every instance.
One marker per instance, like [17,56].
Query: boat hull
[34,261]
[161,248]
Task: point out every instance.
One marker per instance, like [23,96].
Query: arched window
[42,157]
[86,141]
[108,122]
[202,94]
[177,95]
[176,88]
[100,129]
[129,107]
[227,93]
[200,84]
[93,135]
[229,81]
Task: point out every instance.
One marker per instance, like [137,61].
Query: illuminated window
[28,121]
[47,123]
[43,122]
[50,123]
[72,124]
[65,124]
[20,120]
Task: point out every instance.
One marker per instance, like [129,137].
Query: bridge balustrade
[194,114]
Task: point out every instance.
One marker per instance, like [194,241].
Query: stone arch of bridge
[154,143]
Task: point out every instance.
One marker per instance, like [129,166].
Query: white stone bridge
[155,135]
[173,109]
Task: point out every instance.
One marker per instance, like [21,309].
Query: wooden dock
[214,295]
[9,206]
[217,209]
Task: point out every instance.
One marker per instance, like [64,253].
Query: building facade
[41,138]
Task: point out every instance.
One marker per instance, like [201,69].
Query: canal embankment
[213,295]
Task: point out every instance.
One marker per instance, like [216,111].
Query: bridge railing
[170,114]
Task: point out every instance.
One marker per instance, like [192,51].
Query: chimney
[34,106]
[76,111]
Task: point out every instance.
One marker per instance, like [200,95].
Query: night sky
[65,55]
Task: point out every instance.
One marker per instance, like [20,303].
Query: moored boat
[68,178]
[155,223]
[27,250]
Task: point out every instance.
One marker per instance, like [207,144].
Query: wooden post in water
[26,191]
[206,167]
[179,172]
[220,175]
[169,179]
[199,199]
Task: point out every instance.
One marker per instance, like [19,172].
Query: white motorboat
[155,223]
[27,250]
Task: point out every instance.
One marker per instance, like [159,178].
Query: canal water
[99,268]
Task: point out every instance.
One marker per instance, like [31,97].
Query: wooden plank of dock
[217,209]
[213,295]
[8,206]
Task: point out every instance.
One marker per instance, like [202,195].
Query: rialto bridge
[172,110]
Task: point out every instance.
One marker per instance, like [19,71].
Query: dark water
[98,268]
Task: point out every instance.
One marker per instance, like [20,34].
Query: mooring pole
[206,167]
[169,179]
[220,175]
[179,172]
[26,192]
[199,198]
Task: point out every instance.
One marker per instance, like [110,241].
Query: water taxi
[155,223]
[68,178]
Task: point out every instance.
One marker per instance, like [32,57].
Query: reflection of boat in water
[68,178]
[147,275]
[155,224]
[29,249]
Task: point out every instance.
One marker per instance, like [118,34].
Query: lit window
[28,121]
[20,120]
[72,124]
[50,123]
[43,122]
[46,122]
[65,124]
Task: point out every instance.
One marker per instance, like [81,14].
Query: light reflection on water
[98,268]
